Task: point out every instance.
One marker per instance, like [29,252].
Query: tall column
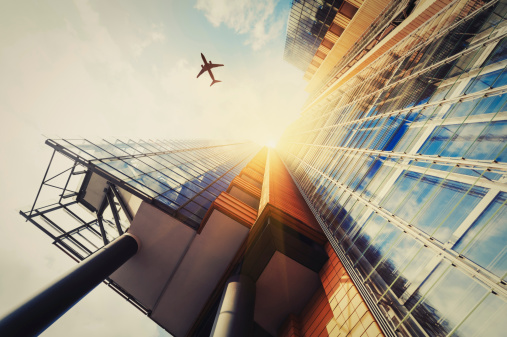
[37,314]
[236,310]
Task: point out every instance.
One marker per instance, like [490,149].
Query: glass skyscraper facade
[181,178]
[404,165]
[309,21]
[400,155]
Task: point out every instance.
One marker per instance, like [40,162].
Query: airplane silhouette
[207,66]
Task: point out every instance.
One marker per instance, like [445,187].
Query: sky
[88,69]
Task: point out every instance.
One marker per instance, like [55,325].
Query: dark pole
[123,205]
[37,314]
[116,217]
[236,310]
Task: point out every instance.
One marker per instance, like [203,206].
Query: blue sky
[125,69]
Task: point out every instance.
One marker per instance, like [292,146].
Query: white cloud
[253,18]
[150,37]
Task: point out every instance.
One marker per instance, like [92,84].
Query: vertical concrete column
[37,314]
[236,310]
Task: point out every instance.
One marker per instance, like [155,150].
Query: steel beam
[123,205]
[38,213]
[48,233]
[62,231]
[67,183]
[75,230]
[43,181]
[102,230]
[116,217]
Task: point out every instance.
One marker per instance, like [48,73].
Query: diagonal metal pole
[43,181]
[68,180]
[112,205]
[37,314]
[101,223]
[123,205]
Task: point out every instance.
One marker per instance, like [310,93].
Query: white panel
[164,241]
[245,197]
[133,202]
[95,190]
[204,264]
[284,287]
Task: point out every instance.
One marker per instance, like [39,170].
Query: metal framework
[77,233]
[114,162]
[81,229]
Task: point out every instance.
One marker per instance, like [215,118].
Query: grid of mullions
[301,44]
[416,57]
[377,31]
[406,165]
[184,175]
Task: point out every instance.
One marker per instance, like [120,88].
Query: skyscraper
[313,28]
[131,216]
[101,189]
[381,212]
[401,151]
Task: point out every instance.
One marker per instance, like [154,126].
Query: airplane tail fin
[214,81]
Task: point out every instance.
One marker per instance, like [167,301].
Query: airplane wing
[202,71]
[215,65]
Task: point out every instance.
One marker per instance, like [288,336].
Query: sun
[271,143]
[268,142]
[267,137]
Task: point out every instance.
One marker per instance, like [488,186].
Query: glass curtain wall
[308,23]
[181,178]
[406,165]
[184,177]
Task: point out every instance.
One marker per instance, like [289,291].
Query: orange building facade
[263,197]
[257,263]
[381,212]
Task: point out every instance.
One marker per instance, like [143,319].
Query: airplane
[207,66]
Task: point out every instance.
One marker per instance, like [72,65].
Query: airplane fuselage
[207,66]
